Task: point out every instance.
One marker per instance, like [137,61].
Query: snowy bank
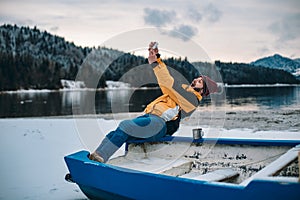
[32,151]
[117,85]
[69,84]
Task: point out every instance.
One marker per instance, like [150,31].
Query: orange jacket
[176,96]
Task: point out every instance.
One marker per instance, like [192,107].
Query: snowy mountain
[40,44]
[279,62]
[30,58]
[297,60]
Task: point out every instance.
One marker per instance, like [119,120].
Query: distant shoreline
[133,88]
[262,85]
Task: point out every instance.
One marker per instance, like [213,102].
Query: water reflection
[130,100]
[119,100]
[263,97]
[30,104]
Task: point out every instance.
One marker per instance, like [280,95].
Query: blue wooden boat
[202,169]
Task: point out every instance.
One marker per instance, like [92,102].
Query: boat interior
[213,160]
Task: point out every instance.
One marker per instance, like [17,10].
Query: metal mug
[197,133]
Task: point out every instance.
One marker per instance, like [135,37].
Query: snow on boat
[183,168]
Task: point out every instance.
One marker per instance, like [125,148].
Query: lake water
[60,103]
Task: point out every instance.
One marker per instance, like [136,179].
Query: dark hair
[209,86]
[205,89]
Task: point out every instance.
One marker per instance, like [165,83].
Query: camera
[155,45]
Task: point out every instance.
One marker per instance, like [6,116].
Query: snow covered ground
[32,165]
[32,152]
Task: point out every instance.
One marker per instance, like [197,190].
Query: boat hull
[105,181]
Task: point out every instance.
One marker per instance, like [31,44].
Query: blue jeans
[148,126]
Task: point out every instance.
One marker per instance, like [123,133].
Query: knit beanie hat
[209,86]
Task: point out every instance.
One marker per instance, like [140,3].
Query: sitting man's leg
[146,126]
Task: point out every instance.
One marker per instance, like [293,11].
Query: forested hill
[34,59]
[241,73]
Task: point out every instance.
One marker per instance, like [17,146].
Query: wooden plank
[177,169]
[276,166]
[217,175]
[153,165]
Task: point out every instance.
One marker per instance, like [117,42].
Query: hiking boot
[96,157]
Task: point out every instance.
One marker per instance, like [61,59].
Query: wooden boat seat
[276,166]
[153,165]
[217,175]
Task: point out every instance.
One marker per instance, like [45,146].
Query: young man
[162,116]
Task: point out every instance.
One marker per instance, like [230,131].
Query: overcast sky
[228,30]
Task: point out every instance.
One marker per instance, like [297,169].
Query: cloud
[184,32]
[157,17]
[4,19]
[287,28]
[263,50]
[54,28]
[184,25]
[211,13]
[161,18]
[194,14]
